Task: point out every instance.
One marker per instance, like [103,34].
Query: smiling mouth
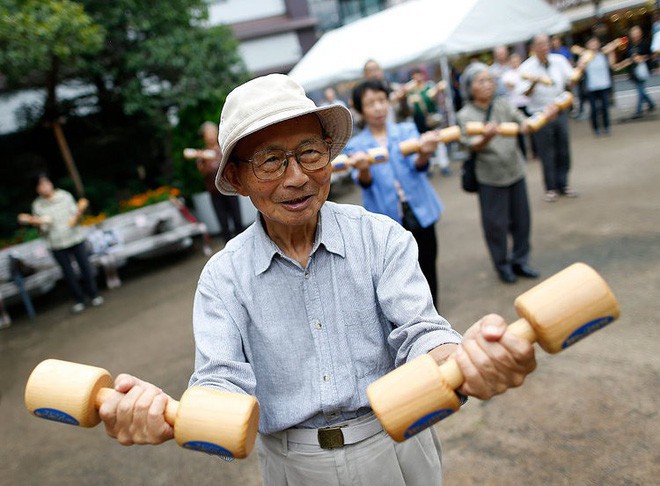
[297,200]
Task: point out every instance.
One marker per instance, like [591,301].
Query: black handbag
[469,175]
[408,218]
[469,181]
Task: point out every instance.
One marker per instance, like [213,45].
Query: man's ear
[232,174]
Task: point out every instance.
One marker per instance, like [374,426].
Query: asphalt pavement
[586,416]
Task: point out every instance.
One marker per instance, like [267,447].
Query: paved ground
[588,416]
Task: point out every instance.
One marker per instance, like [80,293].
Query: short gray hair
[468,76]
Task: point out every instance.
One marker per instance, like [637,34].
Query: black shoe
[507,276]
[525,270]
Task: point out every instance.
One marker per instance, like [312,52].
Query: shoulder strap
[489,112]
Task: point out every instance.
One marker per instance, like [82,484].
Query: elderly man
[311,304]
[548,75]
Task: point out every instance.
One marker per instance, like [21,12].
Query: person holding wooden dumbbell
[57,215]
[227,208]
[400,188]
[310,305]
[552,140]
[636,61]
[596,66]
[500,171]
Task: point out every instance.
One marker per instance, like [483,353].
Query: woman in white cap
[309,305]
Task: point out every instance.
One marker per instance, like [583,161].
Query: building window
[352,10]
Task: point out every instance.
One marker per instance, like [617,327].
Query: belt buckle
[331,438]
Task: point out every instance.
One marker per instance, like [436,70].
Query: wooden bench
[41,275]
[146,232]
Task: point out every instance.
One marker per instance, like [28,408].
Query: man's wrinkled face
[295,198]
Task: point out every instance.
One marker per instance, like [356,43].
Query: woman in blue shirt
[402,178]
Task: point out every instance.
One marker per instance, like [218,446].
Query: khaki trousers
[377,460]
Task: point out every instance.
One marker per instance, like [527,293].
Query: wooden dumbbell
[538,120]
[207,420]
[377,155]
[191,153]
[445,135]
[506,129]
[547,81]
[557,313]
[81,207]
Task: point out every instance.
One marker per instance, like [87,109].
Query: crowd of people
[529,87]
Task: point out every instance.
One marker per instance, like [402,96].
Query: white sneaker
[77,308]
[97,301]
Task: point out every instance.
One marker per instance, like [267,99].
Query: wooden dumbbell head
[411,398]
[411,146]
[576,75]
[537,121]
[65,392]
[567,307]
[449,134]
[564,100]
[217,422]
[378,155]
[190,153]
[340,163]
[474,128]
[508,129]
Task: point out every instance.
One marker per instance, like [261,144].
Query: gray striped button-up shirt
[307,341]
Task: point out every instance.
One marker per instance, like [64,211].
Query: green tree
[160,62]
[40,44]
[157,72]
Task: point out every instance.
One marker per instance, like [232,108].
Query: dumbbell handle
[506,129]
[105,394]
[451,373]
[445,135]
[376,155]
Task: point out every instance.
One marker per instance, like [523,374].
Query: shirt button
[317,325]
[306,275]
[326,377]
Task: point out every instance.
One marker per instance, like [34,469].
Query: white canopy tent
[423,31]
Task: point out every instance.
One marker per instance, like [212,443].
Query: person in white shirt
[598,82]
[545,76]
[512,83]
[499,68]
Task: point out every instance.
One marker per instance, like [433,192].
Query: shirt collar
[328,234]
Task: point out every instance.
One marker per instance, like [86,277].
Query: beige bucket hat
[265,101]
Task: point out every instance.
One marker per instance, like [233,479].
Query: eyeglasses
[270,164]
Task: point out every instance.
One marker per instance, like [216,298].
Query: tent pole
[449,99]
